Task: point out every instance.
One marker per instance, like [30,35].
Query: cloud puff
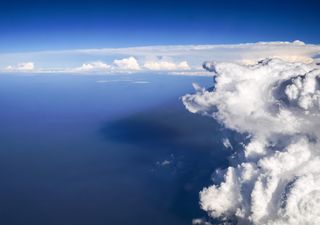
[97,66]
[226,143]
[277,178]
[164,65]
[118,65]
[200,221]
[22,67]
[127,64]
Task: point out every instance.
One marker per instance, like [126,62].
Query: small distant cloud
[21,67]
[226,143]
[141,82]
[97,66]
[127,64]
[165,162]
[200,221]
[165,65]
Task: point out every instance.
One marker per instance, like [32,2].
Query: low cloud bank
[276,104]
[128,65]
[175,59]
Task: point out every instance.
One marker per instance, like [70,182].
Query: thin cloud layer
[166,66]
[276,104]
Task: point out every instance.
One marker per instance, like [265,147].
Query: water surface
[99,150]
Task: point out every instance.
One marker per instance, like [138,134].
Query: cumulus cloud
[276,104]
[165,65]
[127,64]
[22,67]
[96,66]
[118,65]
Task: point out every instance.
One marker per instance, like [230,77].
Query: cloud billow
[130,64]
[276,180]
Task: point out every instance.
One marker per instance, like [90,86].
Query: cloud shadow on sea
[190,144]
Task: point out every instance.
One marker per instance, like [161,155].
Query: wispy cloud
[166,66]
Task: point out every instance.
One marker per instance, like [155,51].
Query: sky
[34,25]
[264,55]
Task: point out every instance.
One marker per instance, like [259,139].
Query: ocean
[103,150]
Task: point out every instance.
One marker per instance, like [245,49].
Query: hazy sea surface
[103,150]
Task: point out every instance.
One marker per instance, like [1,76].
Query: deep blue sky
[31,25]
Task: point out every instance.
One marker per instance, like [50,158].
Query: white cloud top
[277,104]
[127,64]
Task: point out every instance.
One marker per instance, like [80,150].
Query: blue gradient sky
[41,25]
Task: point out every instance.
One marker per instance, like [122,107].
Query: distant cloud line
[178,59]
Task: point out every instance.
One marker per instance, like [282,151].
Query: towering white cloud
[277,104]
[127,64]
